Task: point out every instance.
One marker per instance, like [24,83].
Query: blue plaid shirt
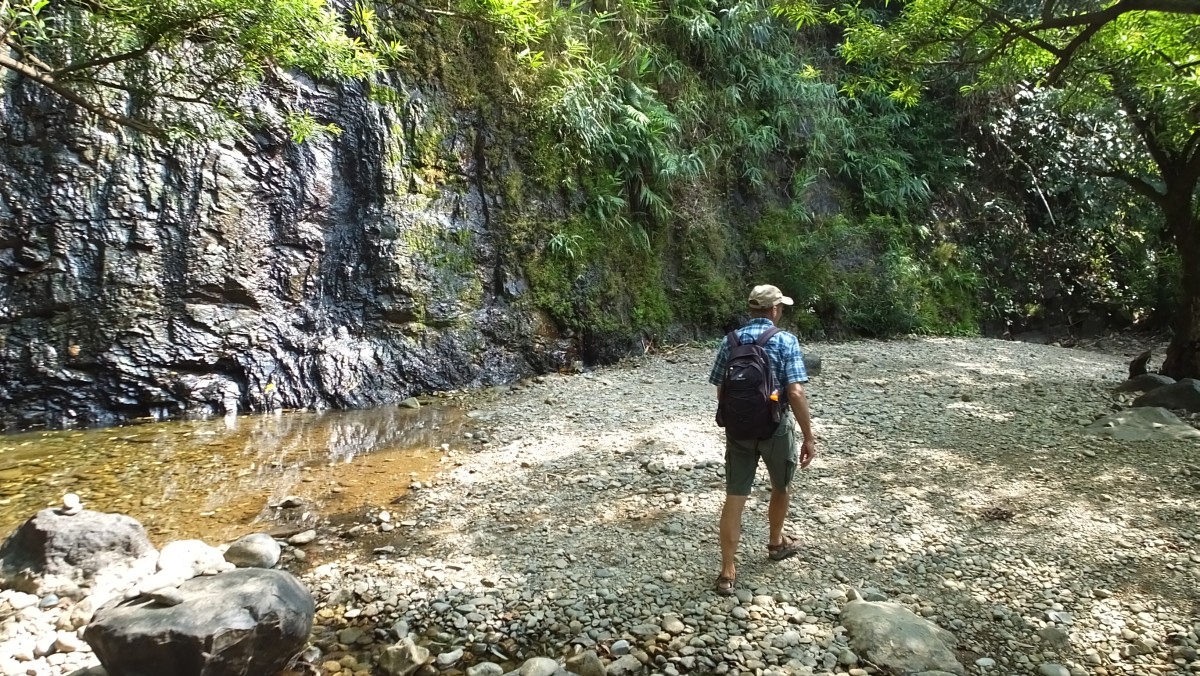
[783,349]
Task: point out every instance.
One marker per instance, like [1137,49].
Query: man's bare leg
[731,533]
[776,513]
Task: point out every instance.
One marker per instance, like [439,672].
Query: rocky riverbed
[578,513]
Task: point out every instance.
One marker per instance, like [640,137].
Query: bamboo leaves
[647,96]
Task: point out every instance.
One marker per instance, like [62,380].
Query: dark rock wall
[140,278]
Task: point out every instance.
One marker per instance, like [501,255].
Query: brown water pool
[218,479]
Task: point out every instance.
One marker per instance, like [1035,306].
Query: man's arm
[717,374]
[798,401]
[799,404]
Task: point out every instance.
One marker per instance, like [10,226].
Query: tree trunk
[1183,355]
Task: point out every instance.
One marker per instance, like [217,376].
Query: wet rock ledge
[138,279]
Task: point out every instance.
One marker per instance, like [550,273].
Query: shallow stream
[218,479]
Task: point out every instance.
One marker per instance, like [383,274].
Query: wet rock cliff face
[142,279]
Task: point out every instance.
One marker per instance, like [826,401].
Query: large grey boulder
[209,394]
[1183,395]
[1144,383]
[1142,424]
[246,622]
[895,639]
[53,553]
[812,364]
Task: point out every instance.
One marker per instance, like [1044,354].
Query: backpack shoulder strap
[767,335]
[732,339]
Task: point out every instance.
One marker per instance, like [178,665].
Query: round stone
[539,666]
[72,503]
[257,550]
[302,538]
[449,659]
[1051,669]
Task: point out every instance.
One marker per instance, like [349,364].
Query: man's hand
[808,451]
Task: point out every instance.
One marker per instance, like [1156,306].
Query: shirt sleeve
[718,370]
[794,371]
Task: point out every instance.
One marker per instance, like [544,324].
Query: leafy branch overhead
[1130,68]
[160,67]
[1006,41]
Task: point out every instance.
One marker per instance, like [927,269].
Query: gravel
[953,477]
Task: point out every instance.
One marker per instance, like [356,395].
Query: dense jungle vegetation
[934,166]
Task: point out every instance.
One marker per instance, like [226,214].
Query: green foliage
[590,282]
[880,149]
[303,127]
[1054,240]
[563,244]
[663,123]
[865,277]
[875,212]
[521,21]
[629,92]
[1116,88]
[638,102]
[708,290]
[165,67]
[948,291]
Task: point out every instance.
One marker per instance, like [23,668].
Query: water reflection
[214,479]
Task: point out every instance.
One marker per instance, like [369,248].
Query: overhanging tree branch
[200,97]
[29,57]
[962,61]
[1048,10]
[1143,126]
[1092,23]
[115,58]
[1014,28]
[1139,185]
[1109,14]
[1068,52]
[104,55]
[180,27]
[49,83]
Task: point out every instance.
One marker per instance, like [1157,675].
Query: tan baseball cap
[765,296]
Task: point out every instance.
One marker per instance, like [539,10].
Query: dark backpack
[745,408]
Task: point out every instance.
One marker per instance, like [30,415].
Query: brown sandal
[725,585]
[784,550]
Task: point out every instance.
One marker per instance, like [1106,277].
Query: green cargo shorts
[778,453]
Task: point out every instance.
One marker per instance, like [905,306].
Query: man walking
[777,448]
